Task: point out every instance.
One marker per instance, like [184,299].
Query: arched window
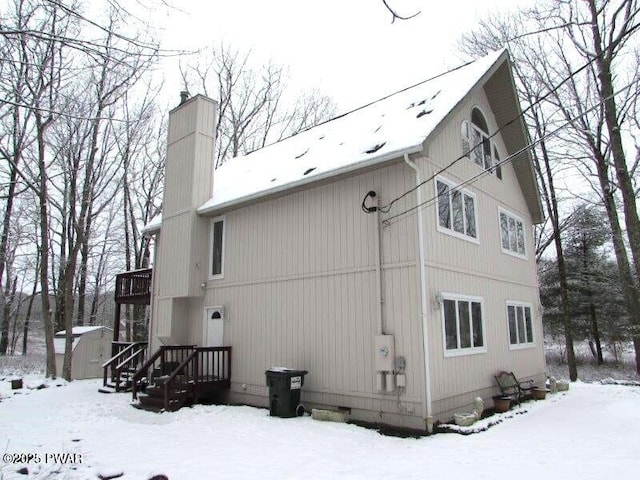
[480,139]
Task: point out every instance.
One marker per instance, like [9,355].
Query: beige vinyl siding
[300,291]
[482,270]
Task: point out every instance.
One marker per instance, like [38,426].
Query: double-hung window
[512,234]
[216,243]
[457,212]
[520,324]
[462,324]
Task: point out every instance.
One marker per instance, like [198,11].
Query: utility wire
[386,208]
[388,221]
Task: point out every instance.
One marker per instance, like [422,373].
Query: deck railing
[134,287]
[161,364]
[126,357]
[199,368]
[205,366]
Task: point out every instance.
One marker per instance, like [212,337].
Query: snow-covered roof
[59,338]
[153,226]
[81,330]
[380,131]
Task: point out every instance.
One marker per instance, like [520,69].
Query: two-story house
[389,251]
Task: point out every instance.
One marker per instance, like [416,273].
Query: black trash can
[284,391]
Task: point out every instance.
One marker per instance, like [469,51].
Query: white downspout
[423,296]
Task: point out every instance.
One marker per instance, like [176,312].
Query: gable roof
[374,134]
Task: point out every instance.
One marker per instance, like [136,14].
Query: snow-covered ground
[591,432]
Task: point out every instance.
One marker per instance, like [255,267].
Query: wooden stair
[181,375]
[120,369]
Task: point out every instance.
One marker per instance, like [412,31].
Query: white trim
[423,296]
[519,346]
[458,352]
[224,234]
[451,231]
[524,233]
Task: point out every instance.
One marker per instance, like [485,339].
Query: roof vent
[184,96]
[302,154]
[309,171]
[376,147]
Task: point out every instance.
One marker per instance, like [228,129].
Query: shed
[91,348]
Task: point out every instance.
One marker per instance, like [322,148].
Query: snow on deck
[591,432]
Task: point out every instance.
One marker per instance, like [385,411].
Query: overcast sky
[348,49]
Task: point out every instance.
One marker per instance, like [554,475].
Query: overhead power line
[386,208]
[426,203]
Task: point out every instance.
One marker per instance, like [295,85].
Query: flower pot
[464,419]
[501,403]
[539,393]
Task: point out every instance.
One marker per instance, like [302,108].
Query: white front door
[213,328]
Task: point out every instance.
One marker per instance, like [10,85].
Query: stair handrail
[172,377]
[143,347]
[115,358]
[160,353]
[143,370]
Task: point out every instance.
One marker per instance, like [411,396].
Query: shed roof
[77,331]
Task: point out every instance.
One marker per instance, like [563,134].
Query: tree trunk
[603,58]
[552,209]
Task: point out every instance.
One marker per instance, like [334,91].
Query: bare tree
[254,108]
[578,51]
[493,34]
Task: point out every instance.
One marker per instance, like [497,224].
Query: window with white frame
[476,144]
[512,234]
[217,248]
[462,324]
[456,210]
[520,324]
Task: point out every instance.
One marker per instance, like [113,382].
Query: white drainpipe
[423,296]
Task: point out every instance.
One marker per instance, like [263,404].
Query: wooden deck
[134,287]
[179,375]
